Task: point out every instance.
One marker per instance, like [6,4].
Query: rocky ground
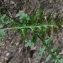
[12,50]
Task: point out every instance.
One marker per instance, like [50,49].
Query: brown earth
[12,50]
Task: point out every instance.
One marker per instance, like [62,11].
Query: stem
[49,49]
[23,27]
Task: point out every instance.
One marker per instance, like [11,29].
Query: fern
[40,25]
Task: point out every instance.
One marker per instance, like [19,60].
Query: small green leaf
[48,41]
[54,49]
[60,61]
[50,18]
[1,25]
[5,19]
[2,33]
[23,17]
[0,39]
[29,43]
[42,32]
[38,12]
[43,18]
[48,58]
[56,61]
[34,36]
[48,30]
[3,16]
[59,56]
[41,52]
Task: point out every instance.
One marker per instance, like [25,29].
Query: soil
[12,49]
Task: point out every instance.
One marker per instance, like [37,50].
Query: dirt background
[12,50]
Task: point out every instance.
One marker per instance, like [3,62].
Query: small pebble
[7,54]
